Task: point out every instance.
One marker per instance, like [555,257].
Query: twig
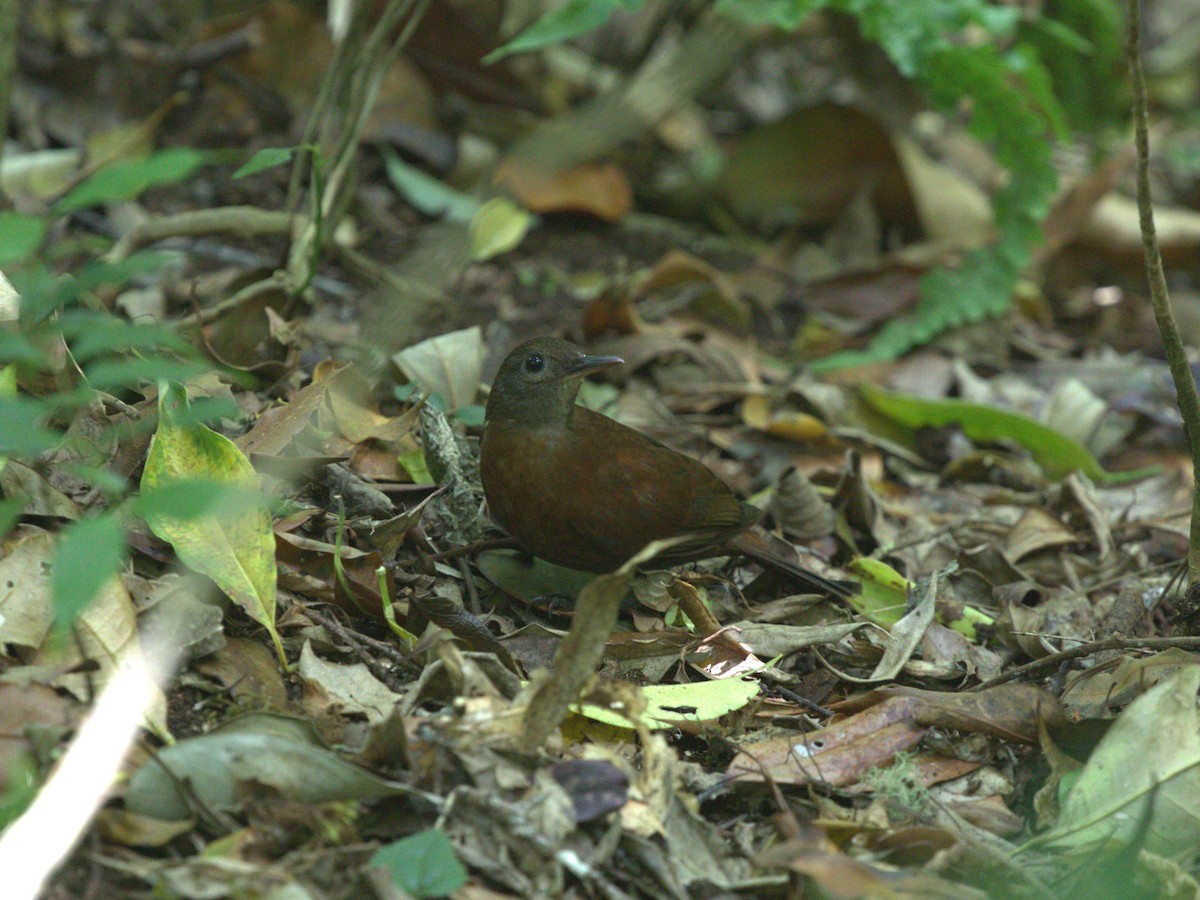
[200,55]
[792,697]
[1054,660]
[473,548]
[243,221]
[356,639]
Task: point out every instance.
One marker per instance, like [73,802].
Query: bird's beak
[586,365]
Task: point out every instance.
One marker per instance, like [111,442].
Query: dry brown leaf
[599,189]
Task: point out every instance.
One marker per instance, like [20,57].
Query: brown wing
[592,495]
[655,493]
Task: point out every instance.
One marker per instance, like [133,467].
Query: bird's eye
[534,363]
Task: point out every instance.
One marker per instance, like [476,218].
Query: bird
[581,490]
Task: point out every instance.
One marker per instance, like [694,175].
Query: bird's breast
[540,486]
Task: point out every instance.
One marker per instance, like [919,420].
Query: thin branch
[1049,663]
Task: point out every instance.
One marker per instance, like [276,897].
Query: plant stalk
[1181,373]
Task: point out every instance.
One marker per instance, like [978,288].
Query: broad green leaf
[234,546]
[114,374]
[127,178]
[670,704]
[1056,454]
[17,348]
[1141,785]
[423,864]
[89,552]
[428,194]
[499,226]
[264,159]
[21,430]
[20,236]
[413,462]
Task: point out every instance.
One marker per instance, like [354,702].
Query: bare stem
[1181,373]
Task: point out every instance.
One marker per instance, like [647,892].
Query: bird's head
[538,382]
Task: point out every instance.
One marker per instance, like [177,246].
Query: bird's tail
[772,551]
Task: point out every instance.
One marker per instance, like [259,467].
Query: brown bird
[578,489]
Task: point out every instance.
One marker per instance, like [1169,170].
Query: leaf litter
[1005,497]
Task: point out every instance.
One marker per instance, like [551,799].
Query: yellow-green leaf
[670,704]
[499,226]
[232,544]
[8,389]
[884,596]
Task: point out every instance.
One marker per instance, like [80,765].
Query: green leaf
[92,334]
[884,592]
[668,705]
[471,416]
[194,498]
[211,772]
[983,284]
[785,14]
[1140,785]
[498,226]
[108,374]
[20,236]
[1057,454]
[413,462]
[127,178]
[1083,47]
[884,600]
[10,512]
[21,786]
[17,348]
[423,864]
[528,577]
[21,429]
[264,159]
[100,274]
[44,293]
[8,391]
[572,19]
[234,546]
[426,193]
[89,552]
